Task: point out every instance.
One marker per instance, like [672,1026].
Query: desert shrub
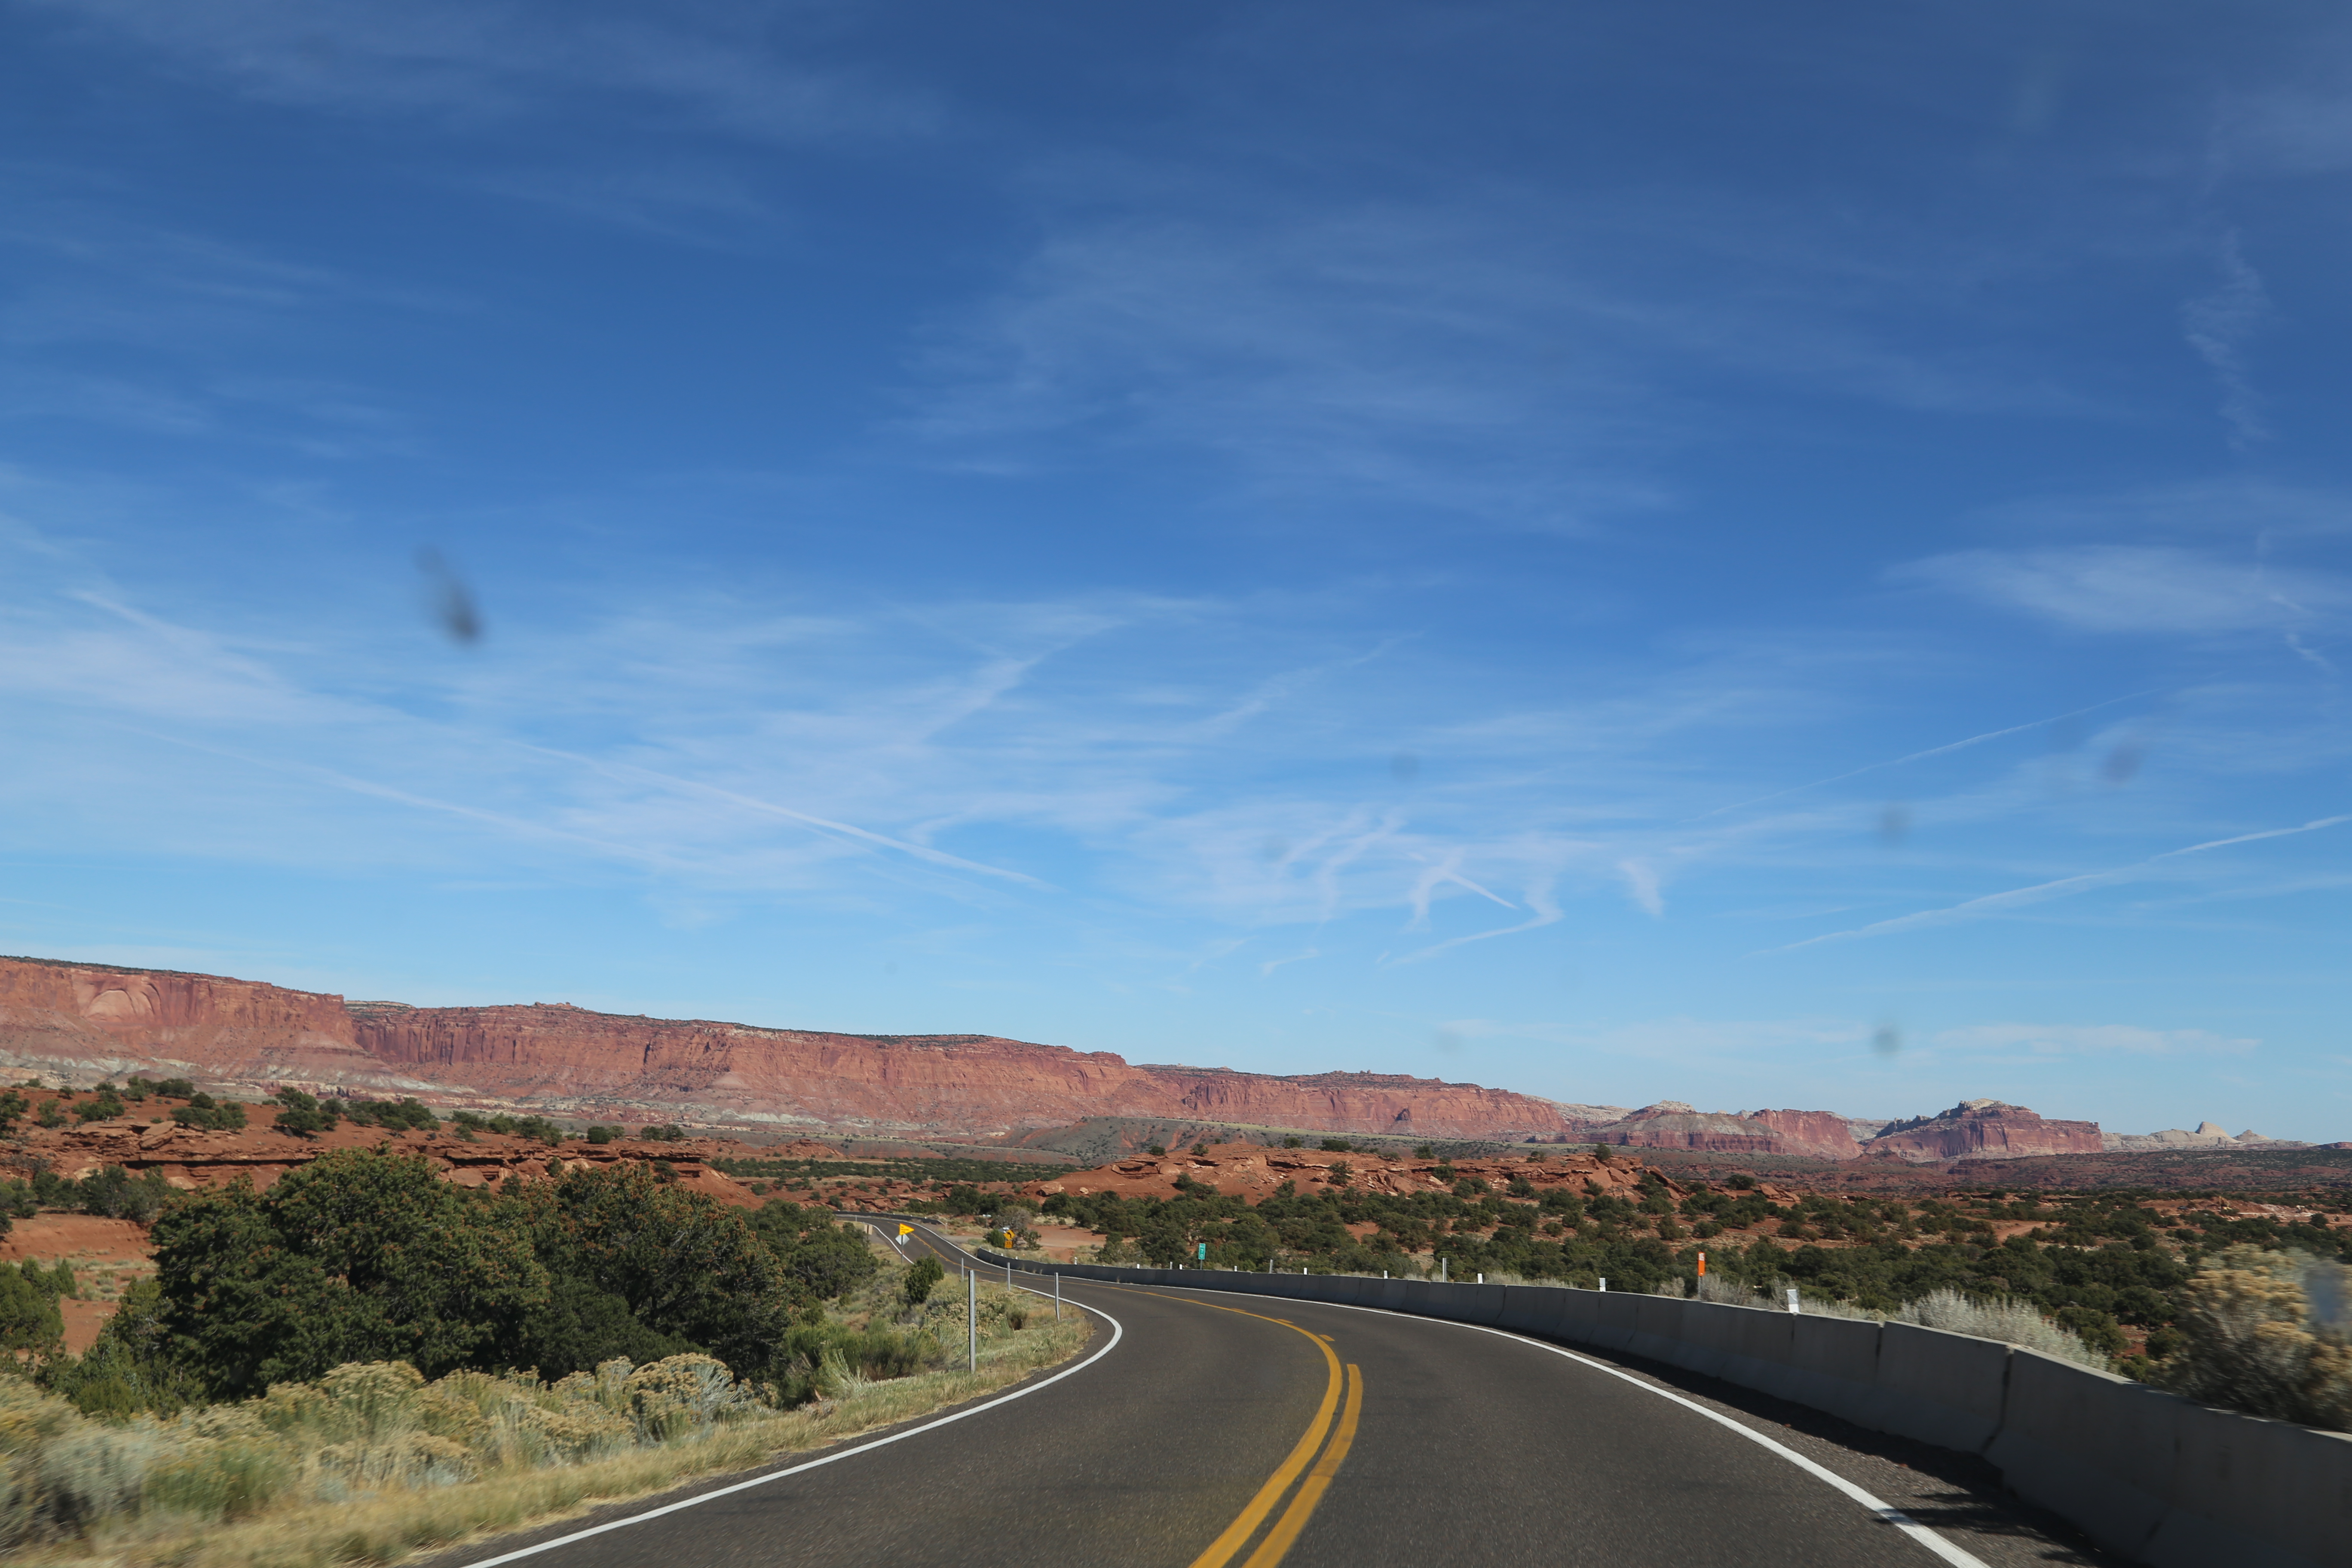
[2014,1322]
[1292,1141]
[13,1107]
[2266,1332]
[1336,1145]
[363,1428]
[1156,1150]
[393,1116]
[629,1255]
[204,1113]
[606,1133]
[104,1106]
[539,1127]
[304,1115]
[171,1088]
[670,1132]
[51,1114]
[29,1319]
[115,1193]
[358,1256]
[821,1260]
[921,1278]
[130,1369]
[828,1359]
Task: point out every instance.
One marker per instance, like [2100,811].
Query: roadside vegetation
[2100,1277]
[365,1359]
[799,1172]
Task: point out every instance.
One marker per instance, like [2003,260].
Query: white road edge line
[1118,1331]
[1894,1515]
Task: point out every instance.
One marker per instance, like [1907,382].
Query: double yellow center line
[1343,1395]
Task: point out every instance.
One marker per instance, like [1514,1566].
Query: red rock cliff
[953,1083]
[1671,1124]
[1821,1133]
[1985,1128]
[566,1059]
[95,1012]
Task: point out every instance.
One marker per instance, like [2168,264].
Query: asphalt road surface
[1228,1431]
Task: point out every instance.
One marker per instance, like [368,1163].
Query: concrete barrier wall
[2147,1474]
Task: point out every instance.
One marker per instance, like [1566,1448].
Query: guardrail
[2148,1475]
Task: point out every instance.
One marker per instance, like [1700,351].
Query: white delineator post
[1793,1299]
[1057,1295]
[971,1321]
[1605,1282]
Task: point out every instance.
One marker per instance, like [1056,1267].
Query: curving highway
[1217,1430]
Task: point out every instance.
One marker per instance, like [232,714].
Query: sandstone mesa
[90,1020]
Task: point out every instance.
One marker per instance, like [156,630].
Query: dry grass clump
[2010,1321]
[372,1462]
[2267,1333]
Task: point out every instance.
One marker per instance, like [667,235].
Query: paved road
[1230,1430]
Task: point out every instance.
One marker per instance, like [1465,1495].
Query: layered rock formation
[1672,1124]
[1983,1130]
[87,1019]
[94,1015]
[1819,1133]
[2209,1135]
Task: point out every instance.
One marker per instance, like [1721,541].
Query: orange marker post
[1702,1264]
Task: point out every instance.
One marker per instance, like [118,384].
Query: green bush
[393,1116]
[115,1193]
[670,1132]
[1336,1145]
[821,1260]
[641,1256]
[304,1115]
[358,1256]
[130,1368]
[104,1106]
[923,1278]
[204,1113]
[29,1319]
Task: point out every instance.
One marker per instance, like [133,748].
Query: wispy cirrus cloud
[2137,588]
[2076,1040]
[2218,326]
[716,69]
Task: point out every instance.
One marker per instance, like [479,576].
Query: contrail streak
[1917,756]
[2042,893]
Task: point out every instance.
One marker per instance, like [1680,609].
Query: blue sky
[1764,556]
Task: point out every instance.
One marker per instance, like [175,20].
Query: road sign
[1202,1255]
